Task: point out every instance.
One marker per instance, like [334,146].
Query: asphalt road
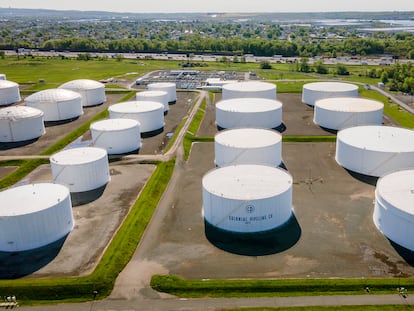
[221,303]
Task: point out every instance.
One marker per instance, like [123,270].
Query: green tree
[320,67]
[265,65]
[342,70]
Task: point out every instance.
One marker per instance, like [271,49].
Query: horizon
[211,6]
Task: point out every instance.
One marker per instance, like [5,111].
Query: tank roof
[249,86]
[397,189]
[77,156]
[248,137]
[349,104]
[247,182]
[13,113]
[115,124]
[330,86]
[379,138]
[249,104]
[82,84]
[136,107]
[31,198]
[53,96]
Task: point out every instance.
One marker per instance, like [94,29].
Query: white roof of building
[19,112]
[31,198]
[398,189]
[53,96]
[349,104]
[248,138]
[77,156]
[379,138]
[249,104]
[247,182]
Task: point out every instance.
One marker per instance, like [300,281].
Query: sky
[180,6]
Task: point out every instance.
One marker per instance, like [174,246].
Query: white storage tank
[343,112]
[150,115]
[9,93]
[375,150]
[247,198]
[249,89]
[56,104]
[154,96]
[394,207]
[168,87]
[248,112]
[311,92]
[20,123]
[81,169]
[92,92]
[116,136]
[3,76]
[35,215]
[248,146]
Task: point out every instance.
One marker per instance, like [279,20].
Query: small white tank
[154,96]
[116,136]
[35,215]
[247,198]
[3,76]
[56,104]
[248,113]
[168,87]
[251,89]
[9,93]
[20,123]
[150,115]
[81,169]
[394,207]
[248,146]
[311,92]
[92,92]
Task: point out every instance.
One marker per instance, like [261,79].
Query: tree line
[400,47]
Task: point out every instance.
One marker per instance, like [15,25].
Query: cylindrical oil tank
[311,92]
[248,113]
[342,112]
[9,93]
[253,89]
[393,211]
[116,136]
[168,87]
[248,146]
[92,92]
[375,150]
[20,123]
[3,76]
[247,198]
[154,96]
[81,169]
[150,115]
[34,215]
[56,104]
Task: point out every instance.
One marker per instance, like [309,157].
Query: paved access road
[219,303]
